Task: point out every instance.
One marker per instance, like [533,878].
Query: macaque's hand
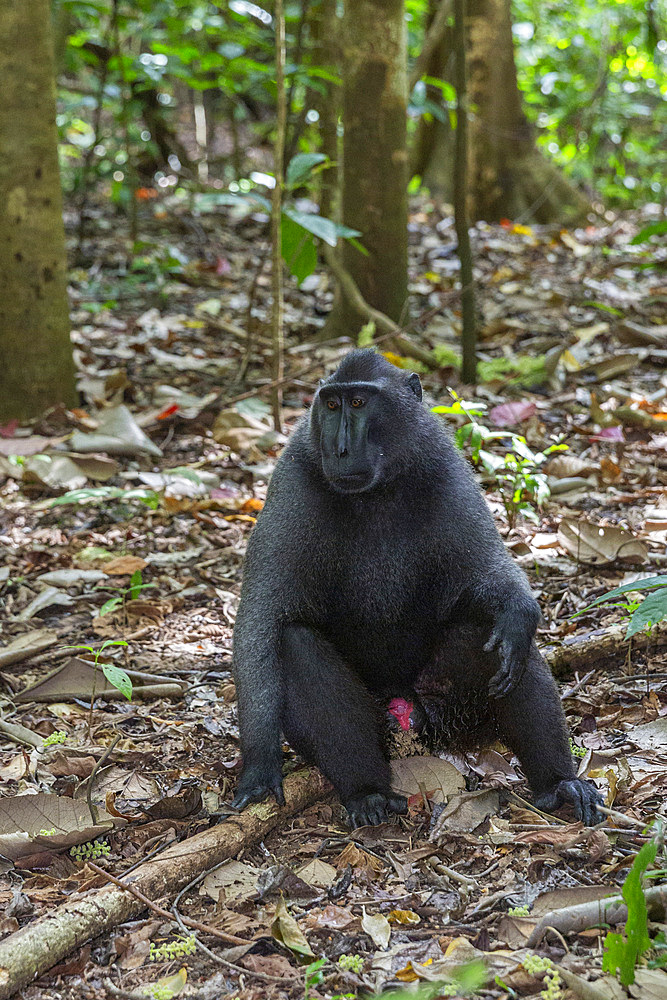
[512,641]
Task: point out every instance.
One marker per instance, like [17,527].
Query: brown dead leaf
[124,565]
[438,778]
[269,965]
[600,544]
[357,858]
[333,918]
[49,822]
[464,813]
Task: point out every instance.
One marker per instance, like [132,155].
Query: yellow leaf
[522,230]
[408,974]
[397,359]
[403,917]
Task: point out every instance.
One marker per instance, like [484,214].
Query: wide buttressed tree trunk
[37,368]
[508,175]
[375,163]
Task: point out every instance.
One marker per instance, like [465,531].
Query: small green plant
[642,615]
[133,591]
[351,963]
[313,976]
[116,676]
[622,951]
[90,851]
[47,833]
[522,486]
[171,950]
[518,911]
[516,473]
[577,751]
[60,736]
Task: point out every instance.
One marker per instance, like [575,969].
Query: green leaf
[299,251]
[325,229]
[135,584]
[622,951]
[654,229]
[652,610]
[110,605]
[301,166]
[118,678]
[649,584]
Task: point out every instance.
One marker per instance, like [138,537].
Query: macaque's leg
[330,719]
[531,721]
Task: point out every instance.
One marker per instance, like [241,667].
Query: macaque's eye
[356,402]
[332,404]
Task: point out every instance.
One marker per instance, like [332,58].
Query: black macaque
[375,567]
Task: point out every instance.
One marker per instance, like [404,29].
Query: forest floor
[126,521]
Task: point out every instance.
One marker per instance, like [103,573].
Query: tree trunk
[433,148]
[324,27]
[37,369]
[375,163]
[509,177]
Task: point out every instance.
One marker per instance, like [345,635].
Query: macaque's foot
[581,795]
[374,808]
[405,715]
[256,783]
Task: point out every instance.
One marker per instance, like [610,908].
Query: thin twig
[92,808]
[161,912]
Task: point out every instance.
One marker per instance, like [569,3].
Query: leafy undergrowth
[125,522]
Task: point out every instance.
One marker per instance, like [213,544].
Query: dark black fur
[375,563]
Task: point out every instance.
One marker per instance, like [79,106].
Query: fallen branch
[581,651]
[40,945]
[573,919]
[383,323]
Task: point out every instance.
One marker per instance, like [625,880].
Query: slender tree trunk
[324,27]
[433,147]
[468,325]
[375,162]
[37,369]
[509,177]
[276,209]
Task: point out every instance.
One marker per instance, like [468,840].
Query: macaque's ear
[415,384]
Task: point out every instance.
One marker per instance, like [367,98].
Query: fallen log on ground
[585,650]
[581,916]
[40,945]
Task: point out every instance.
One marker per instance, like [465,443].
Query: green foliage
[313,976]
[518,911]
[100,494]
[171,950]
[621,951]
[644,615]
[116,676]
[575,750]
[516,473]
[594,80]
[90,851]
[522,486]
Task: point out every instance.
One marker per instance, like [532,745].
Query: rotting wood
[40,945]
[581,916]
[581,651]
